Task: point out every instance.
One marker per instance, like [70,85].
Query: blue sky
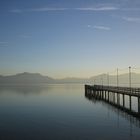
[68,38]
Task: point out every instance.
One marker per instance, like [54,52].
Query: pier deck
[121,90]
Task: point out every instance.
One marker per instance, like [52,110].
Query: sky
[68,38]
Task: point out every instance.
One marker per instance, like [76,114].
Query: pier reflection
[113,102]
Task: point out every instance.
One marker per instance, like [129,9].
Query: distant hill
[123,79]
[36,78]
[72,80]
[25,78]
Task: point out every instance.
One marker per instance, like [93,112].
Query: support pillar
[102,94]
[108,96]
[130,104]
[123,97]
[118,99]
[139,105]
[114,98]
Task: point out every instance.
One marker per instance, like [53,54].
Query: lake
[61,112]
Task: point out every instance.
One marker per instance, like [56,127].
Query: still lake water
[61,112]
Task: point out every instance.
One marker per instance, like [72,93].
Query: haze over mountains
[123,79]
[36,78]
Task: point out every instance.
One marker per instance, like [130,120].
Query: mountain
[123,79]
[25,78]
[73,80]
[36,78]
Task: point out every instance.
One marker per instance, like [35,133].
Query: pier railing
[122,90]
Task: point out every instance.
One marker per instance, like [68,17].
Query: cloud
[101,8]
[131,19]
[130,9]
[89,26]
[99,27]
[42,9]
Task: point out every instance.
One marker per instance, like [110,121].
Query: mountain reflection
[25,90]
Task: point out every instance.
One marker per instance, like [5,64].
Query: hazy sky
[67,38]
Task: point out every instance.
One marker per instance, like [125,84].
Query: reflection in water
[25,90]
[37,89]
[129,115]
[53,112]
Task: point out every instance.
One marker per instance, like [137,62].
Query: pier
[116,96]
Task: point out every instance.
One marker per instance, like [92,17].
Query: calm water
[61,112]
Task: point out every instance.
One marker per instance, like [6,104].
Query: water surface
[54,112]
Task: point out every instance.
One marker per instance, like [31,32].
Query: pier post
[130,104]
[108,96]
[118,99]
[95,94]
[111,97]
[139,105]
[98,94]
[102,94]
[123,100]
[114,98]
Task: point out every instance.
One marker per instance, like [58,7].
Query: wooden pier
[115,96]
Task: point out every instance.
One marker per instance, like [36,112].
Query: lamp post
[108,79]
[130,77]
[117,77]
[94,81]
[102,80]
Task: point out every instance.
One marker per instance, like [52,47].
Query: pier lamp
[108,79]
[117,77]
[129,76]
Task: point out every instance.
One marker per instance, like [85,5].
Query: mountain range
[36,78]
